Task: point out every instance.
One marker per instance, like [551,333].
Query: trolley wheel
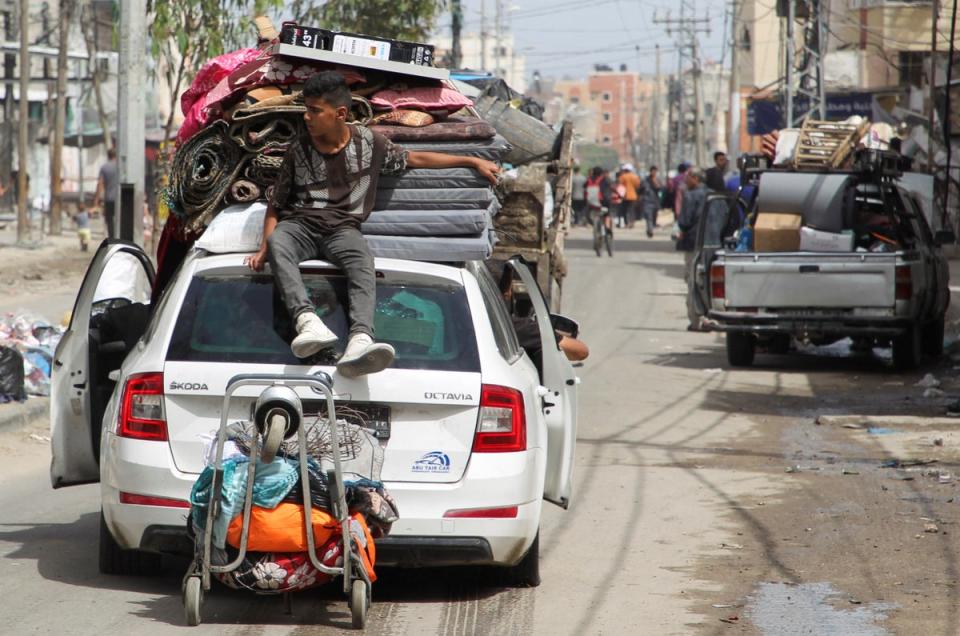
[359,603]
[273,437]
[192,600]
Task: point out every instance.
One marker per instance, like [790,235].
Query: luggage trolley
[279,415]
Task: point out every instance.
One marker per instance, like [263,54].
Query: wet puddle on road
[813,608]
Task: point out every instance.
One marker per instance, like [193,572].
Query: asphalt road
[708,501]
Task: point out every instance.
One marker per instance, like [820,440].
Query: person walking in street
[106,195]
[716,177]
[599,195]
[325,189]
[650,200]
[677,187]
[693,201]
[578,197]
[632,186]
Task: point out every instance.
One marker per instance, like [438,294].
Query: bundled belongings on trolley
[276,558]
[245,109]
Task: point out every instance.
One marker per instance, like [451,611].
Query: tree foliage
[401,19]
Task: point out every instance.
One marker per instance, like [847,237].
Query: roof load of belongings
[244,109]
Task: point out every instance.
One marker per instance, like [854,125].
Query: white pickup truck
[895,294]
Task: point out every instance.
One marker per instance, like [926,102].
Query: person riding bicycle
[599,196]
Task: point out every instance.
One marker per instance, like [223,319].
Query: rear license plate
[373,417]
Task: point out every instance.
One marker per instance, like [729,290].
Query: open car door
[718,222]
[116,286]
[559,401]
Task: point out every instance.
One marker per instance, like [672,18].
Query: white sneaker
[364,356]
[312,335]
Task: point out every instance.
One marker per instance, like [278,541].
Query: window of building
[607,96]
[911,68]
[606,140]
[574,100]
[607,117]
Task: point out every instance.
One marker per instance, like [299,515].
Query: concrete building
[512,67]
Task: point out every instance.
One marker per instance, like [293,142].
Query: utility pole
[698,105]
[810,83]
[130,108]
[498,39]
[733,144]
[655,132]
[483,35]
[6,133]
[686,29]
[456,25]
[23,220]
[56,161]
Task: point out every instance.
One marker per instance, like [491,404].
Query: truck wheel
[908,349]
[933,338]
[741,348]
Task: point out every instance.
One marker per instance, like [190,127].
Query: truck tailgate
[810,280]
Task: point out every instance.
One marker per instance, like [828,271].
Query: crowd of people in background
[629,197]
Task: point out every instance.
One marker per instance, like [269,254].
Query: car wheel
[908,349]
[741,348]
[115,560]
[527,572]
[933,338]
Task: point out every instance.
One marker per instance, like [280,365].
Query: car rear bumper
[491,481]
[141,468]
[836,324]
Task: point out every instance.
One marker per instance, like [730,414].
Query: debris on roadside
[933,393]
[945,478]
[931,528]
[732,620]
[847,471]
[904,463]
[731,546]
[938,441]
[26,341]
[928,382]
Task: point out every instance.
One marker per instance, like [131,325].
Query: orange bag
[368,556]
[281,529]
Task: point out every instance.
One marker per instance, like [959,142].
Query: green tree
[401,19]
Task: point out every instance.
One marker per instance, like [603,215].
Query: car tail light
[141,410]
[502,426]
[510,512]
[718,284]
[144,500]
[904,283]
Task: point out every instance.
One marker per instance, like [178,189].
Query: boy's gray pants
[294,241]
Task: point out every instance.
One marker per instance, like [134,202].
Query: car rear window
[240,318]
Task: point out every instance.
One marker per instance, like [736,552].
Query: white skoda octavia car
[475,436]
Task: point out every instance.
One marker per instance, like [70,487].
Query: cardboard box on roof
[777,232]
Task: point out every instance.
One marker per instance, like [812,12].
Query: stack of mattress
[437,215]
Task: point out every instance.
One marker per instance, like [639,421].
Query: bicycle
[602,235]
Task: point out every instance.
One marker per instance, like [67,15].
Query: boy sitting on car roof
[325,190]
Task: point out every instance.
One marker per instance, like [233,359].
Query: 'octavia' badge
[432,462]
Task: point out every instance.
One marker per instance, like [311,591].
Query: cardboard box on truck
[777,232]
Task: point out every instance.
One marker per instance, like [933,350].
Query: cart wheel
[273,437]
[359,603]
[193,600]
